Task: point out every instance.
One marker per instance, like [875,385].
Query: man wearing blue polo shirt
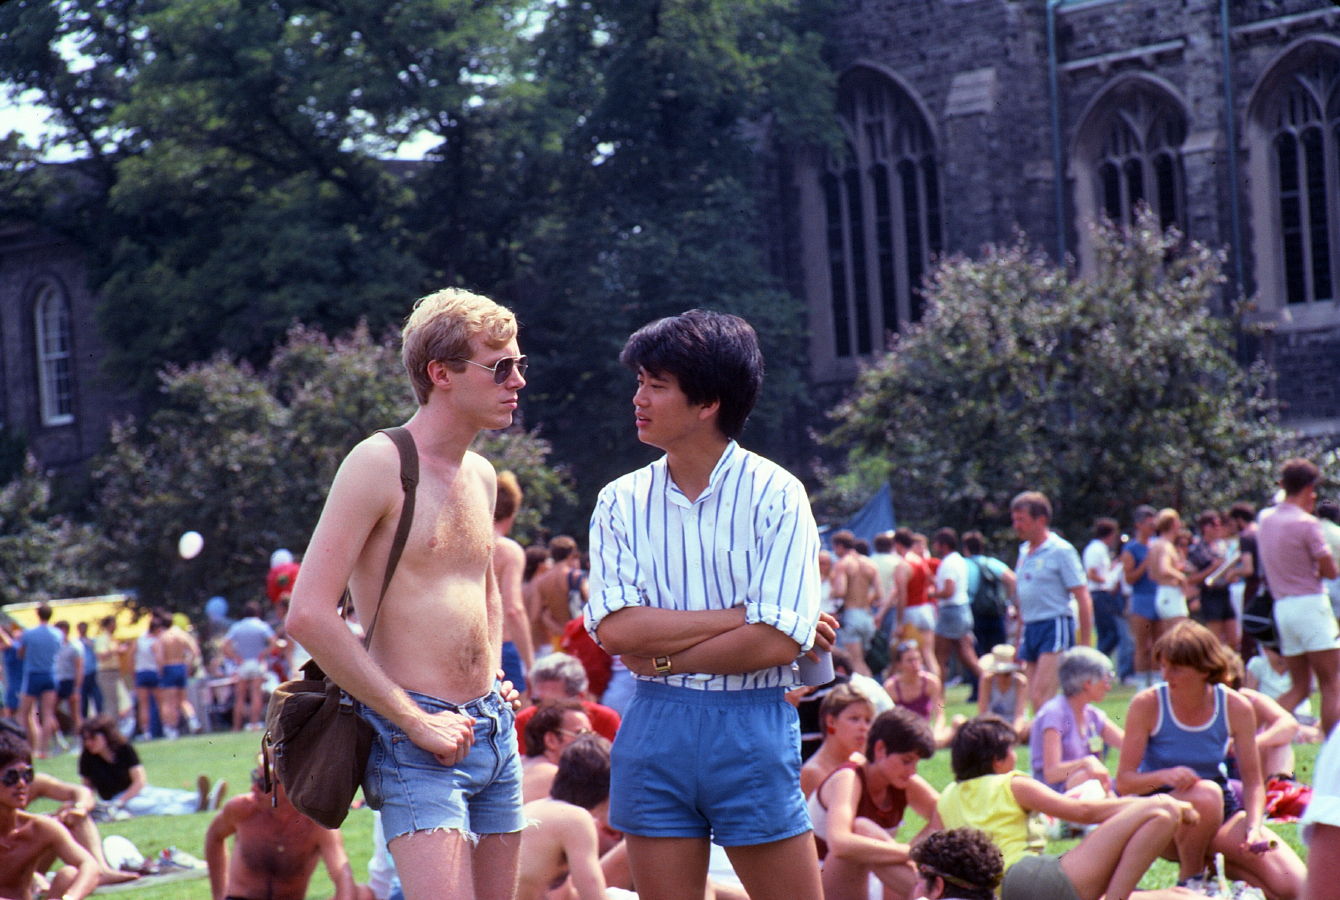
[1049,574]
[38,646]
[705,577]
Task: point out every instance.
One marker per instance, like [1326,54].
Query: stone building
[54,395]
[1223,115]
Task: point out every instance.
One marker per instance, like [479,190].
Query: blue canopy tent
[872,519]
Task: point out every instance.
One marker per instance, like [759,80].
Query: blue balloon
[216,608]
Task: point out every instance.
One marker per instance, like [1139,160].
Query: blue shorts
[65,689]
[1145,605]
[514,670]
[35,684]
[953,622]
[174,676]
[146,678]
[1048,636]
[723,765]
[415,792]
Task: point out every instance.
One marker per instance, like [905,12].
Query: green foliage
[245,458]
[1103,392]
[42,556]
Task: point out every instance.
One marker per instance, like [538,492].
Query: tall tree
[245,458]
[662,115]
[1103,392]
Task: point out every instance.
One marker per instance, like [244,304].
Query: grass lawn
[232,756]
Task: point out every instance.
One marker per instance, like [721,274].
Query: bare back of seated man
[438,633]
[275,851]
[552,587]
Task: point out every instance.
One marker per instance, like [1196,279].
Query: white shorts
[1170,602]
[1306,624]
[921,617]
[250,668]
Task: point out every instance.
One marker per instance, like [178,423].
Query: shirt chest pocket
[733,572]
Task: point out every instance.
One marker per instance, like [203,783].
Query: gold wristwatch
[662,665]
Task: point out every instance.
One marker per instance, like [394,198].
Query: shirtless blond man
[275,850]
[554,587]
[855,584]
[27,841]
[176,653]
[427,683]
[509,561]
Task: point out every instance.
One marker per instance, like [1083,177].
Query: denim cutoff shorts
[414,792]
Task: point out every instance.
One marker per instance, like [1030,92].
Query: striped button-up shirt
[748,540]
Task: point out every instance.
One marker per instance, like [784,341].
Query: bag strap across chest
[409,482]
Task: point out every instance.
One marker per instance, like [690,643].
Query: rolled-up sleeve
[784,590]
[614,568]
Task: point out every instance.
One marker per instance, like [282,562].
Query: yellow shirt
[988,803]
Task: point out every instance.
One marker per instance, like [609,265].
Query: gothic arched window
[1139,158]
[55,360]
[881,201]
[1305,156]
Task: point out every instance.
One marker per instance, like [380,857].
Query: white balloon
[190,544]
[280,557]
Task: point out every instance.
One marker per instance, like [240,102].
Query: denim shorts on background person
[1047,636]
[146,678]
[723,765]
[954,621]
[414,792]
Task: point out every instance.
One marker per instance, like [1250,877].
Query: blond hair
[440,328]
[509,496]
[1166,521]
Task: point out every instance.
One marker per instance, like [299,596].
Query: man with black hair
[554,725]
[1296,559]
[705,577]
[562,837]
[958,864]
[953,619]
[27,841]
[855,585]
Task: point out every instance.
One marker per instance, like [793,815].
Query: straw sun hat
[1000,660]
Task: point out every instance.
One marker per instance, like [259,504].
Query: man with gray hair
[559,676]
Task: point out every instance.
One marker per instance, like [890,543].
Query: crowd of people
[549,724]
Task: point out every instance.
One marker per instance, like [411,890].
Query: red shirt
[918,581]
[604,720]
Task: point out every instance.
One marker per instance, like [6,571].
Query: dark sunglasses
[502,369]
[17,774]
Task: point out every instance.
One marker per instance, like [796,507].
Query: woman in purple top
[1070,736]
[915,689]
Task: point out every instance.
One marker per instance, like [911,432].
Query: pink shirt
[1291,542]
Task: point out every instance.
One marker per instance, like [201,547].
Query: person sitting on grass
[1071,734]
[111,767]
[914,688]
[859,806]
[555,724]
[27,841]
[1003,688]
[1177,737]
[562,839]
[1276,728]
[845,715]
[275,849]
[958,864]
[988,793]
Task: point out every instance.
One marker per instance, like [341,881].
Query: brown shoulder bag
[315,741]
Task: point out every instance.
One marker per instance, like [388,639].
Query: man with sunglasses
[705,577]
[444,770]
[27,841]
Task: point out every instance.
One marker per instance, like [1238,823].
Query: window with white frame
[55,362]
[881,201]
[1305,158]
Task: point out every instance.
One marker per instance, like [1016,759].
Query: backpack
[989,599]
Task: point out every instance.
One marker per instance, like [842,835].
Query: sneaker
[202,788]
[216,796]
[171,734]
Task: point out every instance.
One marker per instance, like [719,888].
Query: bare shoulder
[509,552]
[479,467]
